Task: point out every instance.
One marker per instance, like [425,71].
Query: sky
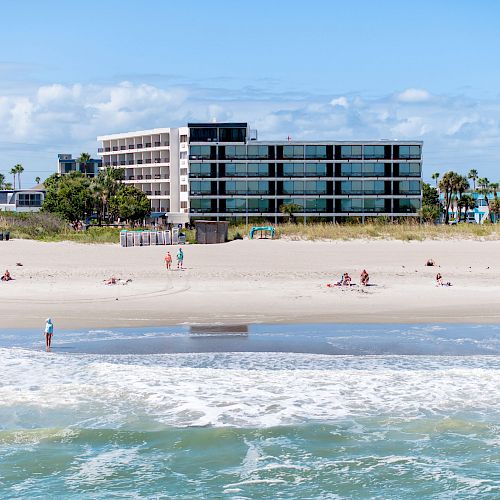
[316,69]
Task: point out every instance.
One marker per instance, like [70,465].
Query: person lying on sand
[440,282]
[117,281]
[7,276]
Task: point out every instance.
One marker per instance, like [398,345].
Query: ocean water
[289,411]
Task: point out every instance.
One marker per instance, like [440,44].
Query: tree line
[458,195]
[103,198]
[16,170]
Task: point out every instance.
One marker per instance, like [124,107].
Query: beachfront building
[66,164]
[234,176]
[155,161]
[21,200]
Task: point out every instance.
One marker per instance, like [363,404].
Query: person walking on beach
[180,258]
[49,331]
[168,260]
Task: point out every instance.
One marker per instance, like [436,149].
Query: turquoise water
[89,420]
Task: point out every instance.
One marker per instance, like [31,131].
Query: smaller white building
[21,200]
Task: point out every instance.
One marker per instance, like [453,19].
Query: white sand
[249,281]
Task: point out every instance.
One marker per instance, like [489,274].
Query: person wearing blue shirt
[49,331]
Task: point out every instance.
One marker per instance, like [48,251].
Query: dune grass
[406,231]
[49,227]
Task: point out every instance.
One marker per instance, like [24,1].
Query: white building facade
[21,200]
[156,162]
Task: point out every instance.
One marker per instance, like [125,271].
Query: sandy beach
[249,281]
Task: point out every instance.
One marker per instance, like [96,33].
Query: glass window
[315,187]
[374,152]
[293,169]
[236,134]
[318,152]
[236,205]
[200,170]
[29,200]
[410,169]
[373,187]
[199,152]
[258,205]
[236,187]
[258,169]
[409,187]
[200,205]
[239,152]
[291,152]
[348,152]
[315,169]
[258,187]
[373,169]
[293,187]
[374,205]
[200,187]
[408,205]
[255,151]
[409,151]
[351,169]
[349,187]
[351,205]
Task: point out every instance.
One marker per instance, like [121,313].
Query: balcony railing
[139,162]
[148,160]
[115,148]
[123,148]
[131,177]
[139,177]
[148,176]
[139,146]
[157,144]
[148,145]
[131,146]
[148,193]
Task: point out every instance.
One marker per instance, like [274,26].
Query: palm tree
[435,177]
[473,176]
[13,172]
[37,180]
[19,170]
[484,189]
[467,202]
[453,185]
[84,159]
[7,185]
[2,181]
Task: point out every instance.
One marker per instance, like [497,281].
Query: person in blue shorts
[180,258]
[49,331]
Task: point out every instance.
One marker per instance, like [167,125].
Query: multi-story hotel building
[234,176]
[66,164]
[156,161]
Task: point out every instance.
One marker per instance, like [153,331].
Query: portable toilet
[137,238]
[123,238]
[130,239]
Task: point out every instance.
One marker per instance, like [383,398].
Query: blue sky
[70,71]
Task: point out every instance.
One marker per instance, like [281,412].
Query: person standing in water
[180,258]
[49,331]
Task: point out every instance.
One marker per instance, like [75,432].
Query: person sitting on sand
[7,276]
[440,282]
[111,281]
[365,277]
[346,280]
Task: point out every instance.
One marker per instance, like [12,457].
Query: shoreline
[249,282]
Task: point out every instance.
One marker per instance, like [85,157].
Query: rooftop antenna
[214,120]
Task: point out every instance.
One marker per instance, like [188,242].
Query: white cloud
[413,95]
[458,132]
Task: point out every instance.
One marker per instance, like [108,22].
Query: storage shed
[208,231]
